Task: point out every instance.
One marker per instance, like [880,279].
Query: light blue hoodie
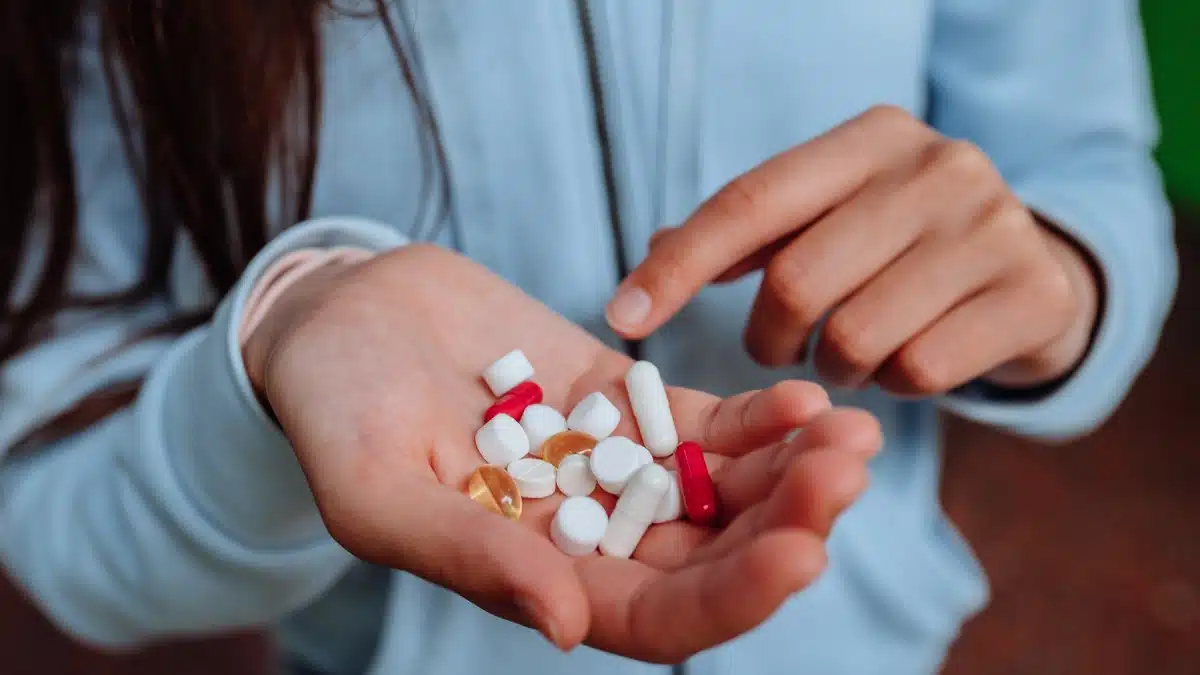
[187,514]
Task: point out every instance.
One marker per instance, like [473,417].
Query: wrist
[280,300]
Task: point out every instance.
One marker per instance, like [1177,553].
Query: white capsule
[502,441]
[507,372]
[613,461]
[578,526]
[671,506]
[595,416]
[541,422]
[651,408]
[575,477]
[534,478]
[634,511]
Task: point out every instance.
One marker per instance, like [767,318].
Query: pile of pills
[533,451]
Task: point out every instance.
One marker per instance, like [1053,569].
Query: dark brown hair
[215,100]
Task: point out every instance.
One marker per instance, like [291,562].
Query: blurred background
[1093,549]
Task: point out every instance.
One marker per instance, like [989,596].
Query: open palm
[377,385]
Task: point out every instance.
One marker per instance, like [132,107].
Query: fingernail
[629,308]
[551,633]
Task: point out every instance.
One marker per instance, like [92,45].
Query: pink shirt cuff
[285,272]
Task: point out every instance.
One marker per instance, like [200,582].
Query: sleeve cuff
[231,459]
[1135,305]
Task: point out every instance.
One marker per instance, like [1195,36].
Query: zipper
[632,347]
[596,85]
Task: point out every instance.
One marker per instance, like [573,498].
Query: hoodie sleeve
[185,512]
[1057,94]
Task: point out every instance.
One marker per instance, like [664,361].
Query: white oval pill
[595,416]
[671,506]
[651,408]
[534,477]
[502,441]
[541,422]
[578,526]
[613,461]
[575,477]
[634,511]
[507,372]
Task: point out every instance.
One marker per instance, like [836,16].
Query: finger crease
[710,421]
[745,414]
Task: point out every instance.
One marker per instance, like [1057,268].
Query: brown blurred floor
[1093,549]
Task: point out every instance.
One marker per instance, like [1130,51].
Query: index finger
[770,201]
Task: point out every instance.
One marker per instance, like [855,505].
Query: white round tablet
[507,372]
[502,441]
[578,526]
[644,456]
[595,416]
[534,477]
[613,461]
[575,477]
[671,506]
[541,422]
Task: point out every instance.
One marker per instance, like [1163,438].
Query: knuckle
[967,161]
[849,337]
[922,371]
[1053,293]
[670,269]
[800,400]
[852,482]
[763,349]
[889,116]
[743,198]
[790,290]
[758,350]
[1011,232]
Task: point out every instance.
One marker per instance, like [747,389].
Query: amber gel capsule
[560,445]
[494,489]
[635,511]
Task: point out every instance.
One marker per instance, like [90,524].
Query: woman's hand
[374,374]
[930,270]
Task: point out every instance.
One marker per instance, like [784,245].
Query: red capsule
[515,401]
[696,484]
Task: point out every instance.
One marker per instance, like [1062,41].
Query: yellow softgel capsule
[558,446]
[494,489]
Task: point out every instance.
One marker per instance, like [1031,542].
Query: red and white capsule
[515,401]
[696,484]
